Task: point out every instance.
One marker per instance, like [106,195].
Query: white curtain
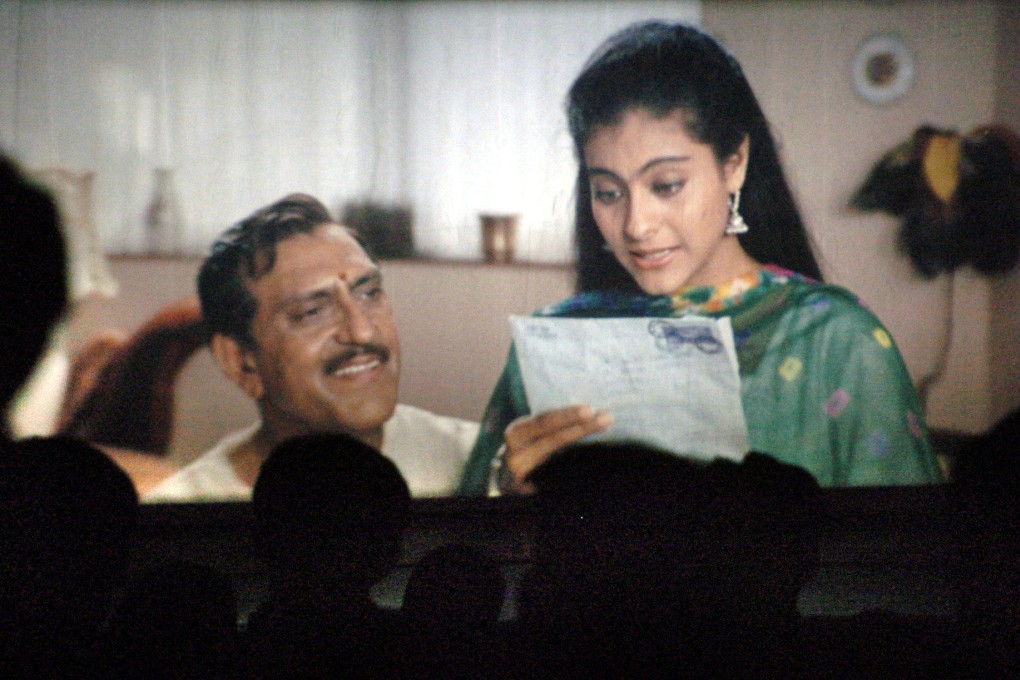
[452,108]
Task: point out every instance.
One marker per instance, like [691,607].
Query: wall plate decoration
[883,69]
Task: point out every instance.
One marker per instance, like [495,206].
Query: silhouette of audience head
[177,619]
[606,514]
[767,514]
[69,514]
[33,270]
[330,512]
[646,558]
[451,615]
[454,586]
[329,509]
[986,500]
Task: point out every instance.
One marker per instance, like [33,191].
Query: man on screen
[299,320]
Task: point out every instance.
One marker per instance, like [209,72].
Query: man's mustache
[337,362]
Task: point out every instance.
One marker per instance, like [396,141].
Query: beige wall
[797,57]
[453,326]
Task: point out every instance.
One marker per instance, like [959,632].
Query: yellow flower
[790,368]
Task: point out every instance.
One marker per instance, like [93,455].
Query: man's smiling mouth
[357,360]
[358,368]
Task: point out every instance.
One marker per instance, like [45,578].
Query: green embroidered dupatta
[822,384]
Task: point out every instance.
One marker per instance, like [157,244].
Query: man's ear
[238,363]
[735,167]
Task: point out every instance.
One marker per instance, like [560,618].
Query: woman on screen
[683,208]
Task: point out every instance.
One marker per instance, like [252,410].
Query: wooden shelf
[423,260]
[479,262]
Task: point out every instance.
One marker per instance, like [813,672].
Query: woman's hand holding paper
[532,439]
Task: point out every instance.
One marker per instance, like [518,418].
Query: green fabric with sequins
[823,385]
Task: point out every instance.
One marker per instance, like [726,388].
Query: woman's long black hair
[665,68]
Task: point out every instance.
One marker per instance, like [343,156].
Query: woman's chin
[659,283]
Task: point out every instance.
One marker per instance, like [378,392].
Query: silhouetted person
[330,512]
[648,565]
[33,277]
[174,620]
[982,641]
[68,515]
[451,609]
[986,497]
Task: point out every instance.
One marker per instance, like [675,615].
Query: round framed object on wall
[882,69]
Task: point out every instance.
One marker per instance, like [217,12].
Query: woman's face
[660,200]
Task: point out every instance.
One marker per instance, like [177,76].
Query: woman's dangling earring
[736,225]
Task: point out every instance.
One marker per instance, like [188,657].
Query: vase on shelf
[88,270]
[163,222]
[499,236]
